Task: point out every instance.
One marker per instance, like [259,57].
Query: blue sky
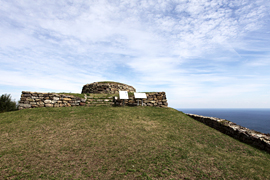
[202,53]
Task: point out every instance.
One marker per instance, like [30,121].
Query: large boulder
[106,88]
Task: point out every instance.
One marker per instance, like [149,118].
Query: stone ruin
[95,94]
[106,88]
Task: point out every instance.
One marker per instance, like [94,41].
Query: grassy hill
[121,143]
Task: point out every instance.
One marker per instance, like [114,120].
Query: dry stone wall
[243,134]
[37,99]
[106,88]
[153,99]
[99,101]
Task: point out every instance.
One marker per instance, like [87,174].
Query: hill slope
[121,143]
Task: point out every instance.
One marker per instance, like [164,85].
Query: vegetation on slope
[111,82]
[6,104]
[79,95]
[121,143]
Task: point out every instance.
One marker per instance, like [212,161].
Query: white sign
[140,95]
[123,94]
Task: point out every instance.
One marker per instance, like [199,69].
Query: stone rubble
[243,134]
[95,94]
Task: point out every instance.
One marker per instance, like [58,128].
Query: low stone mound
[106,88]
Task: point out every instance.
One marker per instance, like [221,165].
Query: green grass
[101,96]
[104,96]
[121,143]
[111,82]
[72,94]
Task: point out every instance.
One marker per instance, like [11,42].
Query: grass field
[121,143]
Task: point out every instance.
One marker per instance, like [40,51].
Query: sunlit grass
[121,143]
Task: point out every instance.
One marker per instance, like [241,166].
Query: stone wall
[106,88]
[99,101]
[153,99]
[37,99]
[243,134]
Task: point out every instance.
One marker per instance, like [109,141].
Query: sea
[255,119]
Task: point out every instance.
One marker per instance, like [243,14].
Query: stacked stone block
[106,88]
[37,99]
[101,101]
[243,134]
[153,99]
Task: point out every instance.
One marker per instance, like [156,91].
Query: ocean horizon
[257,119]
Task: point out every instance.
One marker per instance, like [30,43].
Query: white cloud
[193,47]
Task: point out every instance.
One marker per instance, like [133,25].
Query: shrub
[6,104]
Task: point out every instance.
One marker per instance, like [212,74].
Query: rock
[26,95]
[25,105]
[48,105]
[55,98]
[53,101]
[131,101]
[82,104]
[25,92]
[56,105]
[47,102]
